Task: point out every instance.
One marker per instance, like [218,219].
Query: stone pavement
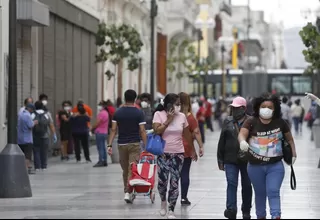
[70,190]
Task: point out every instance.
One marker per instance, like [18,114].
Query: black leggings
[82,139]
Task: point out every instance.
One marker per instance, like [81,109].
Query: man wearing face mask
[65,128]
[44,99]
[233,161]
[146,108]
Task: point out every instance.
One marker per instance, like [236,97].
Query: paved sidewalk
[70,190]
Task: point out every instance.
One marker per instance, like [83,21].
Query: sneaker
[185,202]
[230,214]
[99,164]
[89,161]
[105,163]
[128,198]
[171,215]
[163,210]
[37,170]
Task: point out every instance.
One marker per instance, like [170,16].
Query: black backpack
[41,128]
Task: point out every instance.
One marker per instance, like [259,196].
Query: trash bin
[115,152]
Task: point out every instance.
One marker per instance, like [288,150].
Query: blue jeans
[101,146]
[267,180]
[296,122]
[232,175]
[40,152]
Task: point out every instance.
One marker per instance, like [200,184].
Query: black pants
[185,177]
[81,139]
[209,123]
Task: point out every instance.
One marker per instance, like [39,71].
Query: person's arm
[289,138]
[221,149]
[142,128]
[244,131]
[97,123]
[30,122]
[52,128]
[313,98]
[160,127]
[113,130]
[196,133]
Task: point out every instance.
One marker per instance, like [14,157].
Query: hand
[221,166]
[293,160]
[64,117]
[244,146]
[55,139]
[194,156]
[110,151]
[170,116]
[201,152]
[311,96]
[35,122]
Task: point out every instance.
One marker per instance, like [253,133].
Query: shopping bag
[155,144]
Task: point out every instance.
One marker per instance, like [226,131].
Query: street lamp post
[14,178]
[153,15]
[223,75]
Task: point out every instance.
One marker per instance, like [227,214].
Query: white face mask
[177,109]
[265,113]
[144,104]
[99,108]
[44,102]
[67,108]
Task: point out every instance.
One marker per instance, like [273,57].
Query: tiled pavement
[70,190]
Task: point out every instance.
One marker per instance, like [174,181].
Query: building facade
[55,54]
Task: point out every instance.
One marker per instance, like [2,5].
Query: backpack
[41,128]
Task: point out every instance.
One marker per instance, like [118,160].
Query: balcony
[33,13]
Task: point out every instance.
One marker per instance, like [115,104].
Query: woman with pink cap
[233,161]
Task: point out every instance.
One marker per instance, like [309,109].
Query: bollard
[14,176]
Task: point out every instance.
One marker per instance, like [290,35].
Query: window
[301,84]
[281,85]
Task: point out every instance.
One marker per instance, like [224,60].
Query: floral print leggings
[169,164]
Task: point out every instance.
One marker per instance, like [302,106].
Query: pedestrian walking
[265,132]
[233,161]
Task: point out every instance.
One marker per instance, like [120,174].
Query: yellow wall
[204,16]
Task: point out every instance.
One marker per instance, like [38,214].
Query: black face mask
[238,113]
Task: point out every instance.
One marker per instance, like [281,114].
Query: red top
[208,109]
[111,110]
[193,124]
[201,114]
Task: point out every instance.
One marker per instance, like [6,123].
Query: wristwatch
[109,146]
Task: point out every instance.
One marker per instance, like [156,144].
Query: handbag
[155,144]
[287,157]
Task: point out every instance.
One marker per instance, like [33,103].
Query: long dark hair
[185,101]
[171,98]
[267,97]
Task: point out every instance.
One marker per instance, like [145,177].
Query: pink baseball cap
[239,102]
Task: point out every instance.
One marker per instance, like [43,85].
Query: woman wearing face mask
[100,128]
[146,108]
[173,126]
[233,161]
[265,131]
[65,128]
[194,129]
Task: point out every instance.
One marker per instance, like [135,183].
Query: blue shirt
[25,125]
[129,120]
